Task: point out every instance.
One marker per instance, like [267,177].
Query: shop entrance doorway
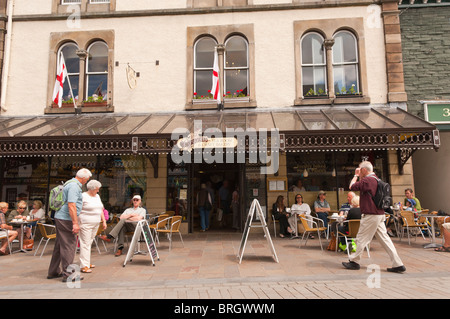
[223,183]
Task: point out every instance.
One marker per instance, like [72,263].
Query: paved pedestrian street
[207,267]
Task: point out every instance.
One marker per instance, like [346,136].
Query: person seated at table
[353,214]
[446,234]
[299,208]
[410,203]
[21,212]
[12,234]
[298,187]
[322,207]
[410,195]
[279,213]
[37,213]
[343,211]
[127,223]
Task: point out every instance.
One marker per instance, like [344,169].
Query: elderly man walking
[67,227]
[372,220]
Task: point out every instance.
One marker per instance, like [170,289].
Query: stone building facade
[426,50]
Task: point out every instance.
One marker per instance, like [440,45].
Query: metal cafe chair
[409,224]
[315,222]
[5,235]
[45,236]
[175,223]
[353,227]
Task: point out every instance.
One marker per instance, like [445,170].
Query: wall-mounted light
[305,173]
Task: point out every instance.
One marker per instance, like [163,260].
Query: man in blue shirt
[66,222]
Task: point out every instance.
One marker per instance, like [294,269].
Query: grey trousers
[64,250]
[119,230]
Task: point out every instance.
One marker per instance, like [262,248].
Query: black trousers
[284,224]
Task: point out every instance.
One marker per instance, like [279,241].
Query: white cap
[137,196]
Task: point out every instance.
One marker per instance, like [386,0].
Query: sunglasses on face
[21,207]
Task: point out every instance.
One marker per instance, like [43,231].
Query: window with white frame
[97,72]
[236,67]
[70,1]
[203,67]
[72,61]
[94,75]
[79,1]
[345,64]
[313,62]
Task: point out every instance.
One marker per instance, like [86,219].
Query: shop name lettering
[213,146]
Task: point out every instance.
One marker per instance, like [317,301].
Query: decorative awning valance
[301,129]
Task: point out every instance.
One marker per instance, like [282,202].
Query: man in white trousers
[372,220]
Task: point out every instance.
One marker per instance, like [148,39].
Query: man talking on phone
[372,220]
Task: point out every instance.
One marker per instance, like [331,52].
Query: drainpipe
[5,72]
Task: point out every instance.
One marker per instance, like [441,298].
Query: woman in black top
[353,213]
[279,213]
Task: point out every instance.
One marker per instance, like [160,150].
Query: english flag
[215,78]
[61,74]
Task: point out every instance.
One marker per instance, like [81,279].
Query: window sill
[207,104]
[337,100]
[86,108]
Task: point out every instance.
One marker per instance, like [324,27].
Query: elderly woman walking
[90,217]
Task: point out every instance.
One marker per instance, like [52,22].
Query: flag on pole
[215,78]
[61,74]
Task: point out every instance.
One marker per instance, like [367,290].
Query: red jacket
[367,186]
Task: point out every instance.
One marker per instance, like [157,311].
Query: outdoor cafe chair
[274,222]
[5,235]
[315,222]
[99,232]
[175,223]
[409,224]
[160,224]
[353,228]
[45,235]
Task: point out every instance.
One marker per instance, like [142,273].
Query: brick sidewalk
[207,268]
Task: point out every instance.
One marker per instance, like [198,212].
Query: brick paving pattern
[208,268]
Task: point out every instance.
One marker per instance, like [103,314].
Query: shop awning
[301,129]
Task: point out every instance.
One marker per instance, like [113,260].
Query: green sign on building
[437,113]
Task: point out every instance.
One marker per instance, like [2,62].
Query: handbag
[332,244]
[28,244]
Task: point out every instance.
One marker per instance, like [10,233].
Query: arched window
[69,51]
[203,67]
[97,71]
[236,67]
[345,63]
[313,61]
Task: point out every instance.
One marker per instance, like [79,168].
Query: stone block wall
[426,50]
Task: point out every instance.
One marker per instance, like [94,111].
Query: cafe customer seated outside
[322,207]
[343,211]
[12,234]
[409,194]
[127,223]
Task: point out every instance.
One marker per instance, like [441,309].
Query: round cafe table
[433,243]
[20,224]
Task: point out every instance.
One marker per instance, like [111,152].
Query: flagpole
[220,52]
[70,85]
